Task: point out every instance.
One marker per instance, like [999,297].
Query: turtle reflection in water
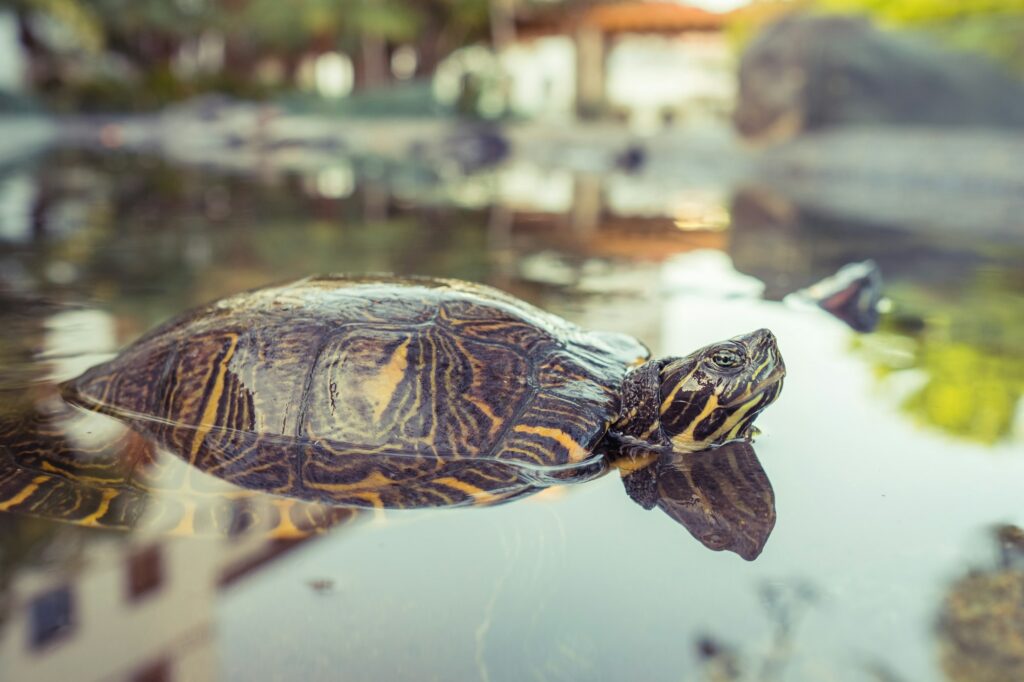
[413,392]
[62,464]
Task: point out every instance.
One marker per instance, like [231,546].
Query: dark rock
[469,148]
[852,295]
[476,148]
[807,73]
[941,182]
[789,246]
[631,159]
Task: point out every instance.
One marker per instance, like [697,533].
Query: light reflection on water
[886,472]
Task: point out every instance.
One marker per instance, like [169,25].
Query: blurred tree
[447,25]
[117,52]
[142,30]
[435,27]
[149,31]
[103,46]
[366,30]
[80,28]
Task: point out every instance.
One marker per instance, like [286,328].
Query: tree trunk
[374,71]
[503,27]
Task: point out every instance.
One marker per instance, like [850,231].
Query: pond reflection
[946,352]
[953,357]
[63,464]
[722,496]
[981,624]
[95,249]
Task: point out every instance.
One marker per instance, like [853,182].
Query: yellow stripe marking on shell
[24,494]
[381,388]
[188,520]
[496,421]
[478,494]
[577,453]
[372,481]
[285,528]
[374,499]
[209,417]
[93,519]
[53,469]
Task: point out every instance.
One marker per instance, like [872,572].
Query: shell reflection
[87,469]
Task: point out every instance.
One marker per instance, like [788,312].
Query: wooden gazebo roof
[650,17]
[624,17]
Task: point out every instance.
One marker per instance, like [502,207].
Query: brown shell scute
[343,384]
[425,392]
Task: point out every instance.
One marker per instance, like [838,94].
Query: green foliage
[967,393]
[992,27]
[174,18]
[155,88]
[466,20]
[299,23]
[746,23]
[967,351]
[925,11]
[142,37]
[76,17]
[268,232]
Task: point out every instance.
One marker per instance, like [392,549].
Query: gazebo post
[591,48]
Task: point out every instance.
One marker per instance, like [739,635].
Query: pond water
[896,457]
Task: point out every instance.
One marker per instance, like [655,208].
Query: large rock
[806,73]
[789,245]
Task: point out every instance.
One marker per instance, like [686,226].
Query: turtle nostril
[765,337]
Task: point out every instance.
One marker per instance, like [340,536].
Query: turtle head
[706,398]
[714,394]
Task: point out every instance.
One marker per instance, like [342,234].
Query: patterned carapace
[397,392]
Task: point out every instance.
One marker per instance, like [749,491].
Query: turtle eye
[726,359]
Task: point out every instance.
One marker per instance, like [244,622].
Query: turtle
[391,391]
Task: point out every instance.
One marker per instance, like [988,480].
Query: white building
[12,57]
[648,63]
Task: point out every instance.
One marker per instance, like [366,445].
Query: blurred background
[675,171]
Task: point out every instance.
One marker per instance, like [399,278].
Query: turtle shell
[343,388]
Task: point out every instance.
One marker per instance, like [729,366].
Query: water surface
[893,455]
